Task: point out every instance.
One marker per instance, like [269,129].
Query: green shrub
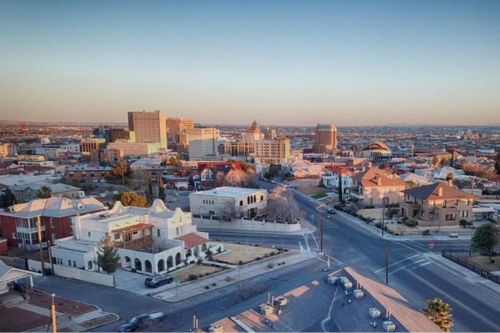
[240,262]
[192,277]
[410,223]
[426,232]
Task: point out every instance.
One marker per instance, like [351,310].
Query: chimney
[450,182]
[440,191]
[379,181]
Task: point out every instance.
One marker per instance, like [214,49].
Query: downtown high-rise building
[325,140]
[148,127]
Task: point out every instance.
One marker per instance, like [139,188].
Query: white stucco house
[236,201]
[149,240]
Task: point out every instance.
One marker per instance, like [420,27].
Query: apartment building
[123,148]
[148,127]
[150,240]
[19,223]
[87,173]
[377,187]
[439,204]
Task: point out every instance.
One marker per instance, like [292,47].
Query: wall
[247,225]
[75,273]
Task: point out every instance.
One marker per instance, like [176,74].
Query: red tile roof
[192,240]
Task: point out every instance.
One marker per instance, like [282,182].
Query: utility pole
[39,227]
[321,235]
[53,314]
[386,264]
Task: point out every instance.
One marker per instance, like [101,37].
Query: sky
[231,62]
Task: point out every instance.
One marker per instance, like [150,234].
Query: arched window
[137,264]
[161,265]
[178,258]
[170,262]
[149,268]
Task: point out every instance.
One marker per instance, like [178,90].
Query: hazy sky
[277,62]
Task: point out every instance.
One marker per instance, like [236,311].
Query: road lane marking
[329,317]
[315,241]
[412,266]
[300,246]
[307,243]
[397,262]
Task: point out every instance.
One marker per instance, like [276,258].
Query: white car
[281,300]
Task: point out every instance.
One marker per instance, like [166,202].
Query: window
[262,198]
[116,236]
[158,232]
[241,202]
[88,233]
[69,262]
[74,263]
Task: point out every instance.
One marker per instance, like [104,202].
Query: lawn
[374,213]
[236,253]
[319,195]
[199,270]
[485,262]
[20,320]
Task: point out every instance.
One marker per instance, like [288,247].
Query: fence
[75,273]
[246,225]
[463,259]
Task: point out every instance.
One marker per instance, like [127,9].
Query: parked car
[159,280]
[332,211]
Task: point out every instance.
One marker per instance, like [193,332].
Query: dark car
[129,327]
[159,280]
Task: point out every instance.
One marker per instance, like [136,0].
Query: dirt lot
[485,262]
[308,186]
[374,213]
[245,253]
[25,320]
[63,305]
[198,270]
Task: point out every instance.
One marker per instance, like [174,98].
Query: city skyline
[280,63]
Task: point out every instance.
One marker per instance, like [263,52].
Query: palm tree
[439,313]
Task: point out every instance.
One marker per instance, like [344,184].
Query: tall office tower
[325,141]
[201,143]
[148,127]
[175,126]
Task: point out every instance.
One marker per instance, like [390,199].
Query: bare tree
[281,206]
[228,211]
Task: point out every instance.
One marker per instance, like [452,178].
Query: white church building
[149,240]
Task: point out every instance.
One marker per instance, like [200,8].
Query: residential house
[331,178]
[377,187]
[439,204]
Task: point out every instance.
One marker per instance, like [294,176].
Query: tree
[463,223]
[44,192]
[120,171]
[485,239]
[132,199]
[439,313]
[107,255]
[228,211]
[7,199]
[281,206]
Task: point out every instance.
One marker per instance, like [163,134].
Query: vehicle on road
[157,281]
[157,315]
[129,327]
[332,211]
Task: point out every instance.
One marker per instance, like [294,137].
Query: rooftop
[227,191]
[441,190]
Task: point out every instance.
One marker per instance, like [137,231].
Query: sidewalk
[67,321]
[378,232]
[179,292]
